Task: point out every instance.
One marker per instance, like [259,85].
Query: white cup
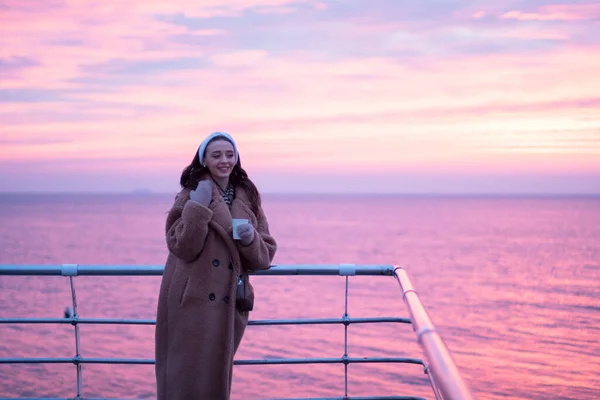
[235,223]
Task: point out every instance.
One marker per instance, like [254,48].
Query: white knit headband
[213,135]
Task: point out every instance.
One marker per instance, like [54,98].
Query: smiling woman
[205,296]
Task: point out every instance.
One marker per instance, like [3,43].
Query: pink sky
[334,96]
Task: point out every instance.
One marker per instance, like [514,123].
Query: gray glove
[203,193]
[246,234]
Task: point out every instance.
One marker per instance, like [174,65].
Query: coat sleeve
[187,227]
[260,252]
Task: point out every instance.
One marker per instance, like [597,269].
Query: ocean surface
[512,283]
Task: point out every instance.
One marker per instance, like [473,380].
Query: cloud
[251,58]
[276,10]
[40,140]
[126,67]
[558,12]
[434,85]
[100,32]
[17,62]
[31,96]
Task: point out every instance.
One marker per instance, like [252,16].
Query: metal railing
[441,370]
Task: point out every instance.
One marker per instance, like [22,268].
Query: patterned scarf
[228,195]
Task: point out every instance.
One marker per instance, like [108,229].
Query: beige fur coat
[198,328]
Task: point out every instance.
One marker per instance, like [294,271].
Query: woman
[198,325]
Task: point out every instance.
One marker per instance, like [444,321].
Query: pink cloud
[107,30]
[324,102]
[318,5]
[535,33]
[292,109]
[277,10]
[558,12]
[249,58]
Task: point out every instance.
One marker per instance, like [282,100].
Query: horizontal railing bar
[149,270]
[71,321]
[282,398]
[39,360]
[282,361]
[353,398]
[76,361]
[349,360]
[330,321]
[112,321]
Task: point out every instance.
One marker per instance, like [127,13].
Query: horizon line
[316,193]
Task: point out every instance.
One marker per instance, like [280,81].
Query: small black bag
[244,299]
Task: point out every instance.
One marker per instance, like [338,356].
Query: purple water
[513,285]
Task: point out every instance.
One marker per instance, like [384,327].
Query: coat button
[226,299]
[231,266]
[211,296]
[216,262]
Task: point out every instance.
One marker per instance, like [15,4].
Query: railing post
[71,270]
[346,270]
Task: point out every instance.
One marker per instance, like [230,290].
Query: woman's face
[219,158]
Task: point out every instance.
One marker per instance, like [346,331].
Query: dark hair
[192,173]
